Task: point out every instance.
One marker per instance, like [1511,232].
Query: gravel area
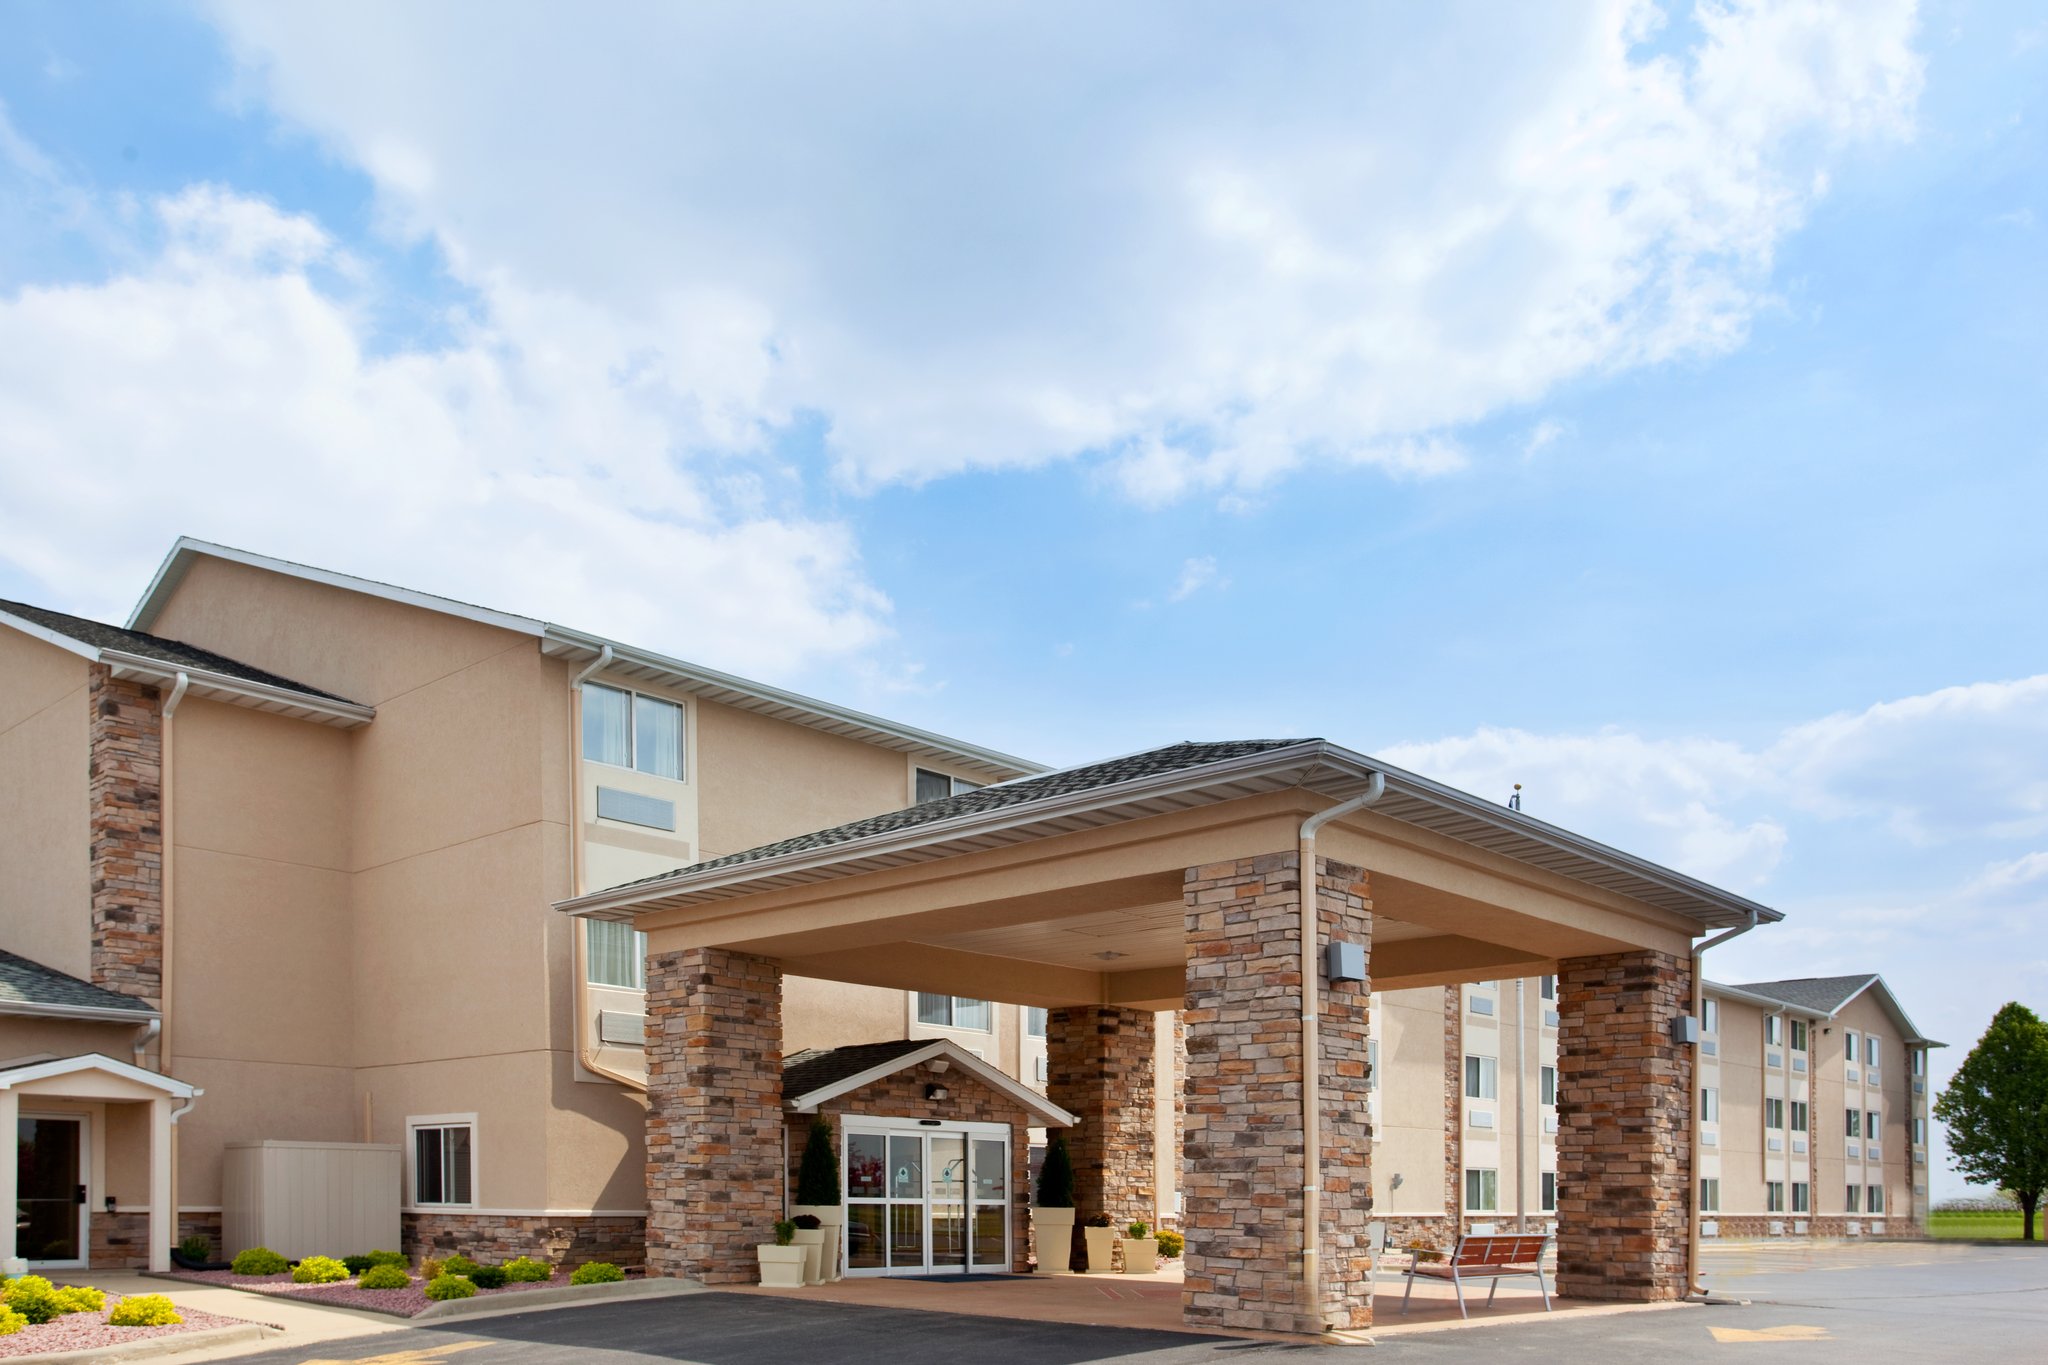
[400,1303]
[89,1331]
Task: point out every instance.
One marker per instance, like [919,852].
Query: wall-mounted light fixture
[938,1065]
[935,1091]
[110,1203]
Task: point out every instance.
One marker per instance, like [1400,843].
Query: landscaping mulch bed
[398,1303]
[89,1331]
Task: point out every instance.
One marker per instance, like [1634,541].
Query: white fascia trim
[990,1076]
[50,637]
[182,554]
[239,691]
[1769,1002]
[98,1061]
[93,1013]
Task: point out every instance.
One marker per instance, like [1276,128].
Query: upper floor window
[1710,1016]
[1855,1123]
[955,1011]
[1799,1035]
[1870,1045]
[1873,1123]
[615,954]
[1849,1038]
[1482,1078]
[1800,1116]
[632,730]
[1034,1020]
[1546,1083]
[1774,1113]
[933,786]
[1710,1105]
[1919,1061]
[1372,1064]
[1774,1029]
[1546,987]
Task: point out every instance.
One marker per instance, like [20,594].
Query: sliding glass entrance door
[926,1201]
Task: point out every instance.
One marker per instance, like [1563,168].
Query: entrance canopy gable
[95,1076]
[816,1079]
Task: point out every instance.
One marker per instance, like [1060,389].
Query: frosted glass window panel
[657,737]
[617,954]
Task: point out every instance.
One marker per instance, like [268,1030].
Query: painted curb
[156,1346]
[566,1296]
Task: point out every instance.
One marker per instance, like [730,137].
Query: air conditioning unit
[617,1028]
[1800,1227]
[1044,1071]
[1854,1229]
[1776,1229]
[1480,1118]
[1877,1229]
[1710,1228]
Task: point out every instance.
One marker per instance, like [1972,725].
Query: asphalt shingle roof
[176,653]
[811,1070]
[23,982]
[1022,791]
[1823,993]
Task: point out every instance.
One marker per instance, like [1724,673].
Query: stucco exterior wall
[1410,1100]
[765,780]
[46,896]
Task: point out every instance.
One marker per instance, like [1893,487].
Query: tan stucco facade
[43,832]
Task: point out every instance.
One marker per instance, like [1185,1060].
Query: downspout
[1311,1087]
[150,1031]
[586,1047]
[167,895]
[1521,1114]
[1692,1195]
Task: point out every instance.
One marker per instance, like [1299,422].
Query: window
[1546,1085]
[1710,1021]
[1034,1021]
[1870,1045]
[1372,1064]
[1855,1128]
[1919,1132]
[1919,1061]
[1774,1113]
[1799,1116]
[1774,1196]
[1547,1195]
[954,1011]
[632,730]
[1854,1197]
[1799,1035]
[443,1159]
[1774,1030]
[1871,1121]
[1546,987]
[1710,1106]
[933,786]
[1802,1197]
[1482,1191]
[1849,1040]
[1482,1078]
[1876,1204]
[614,954]
[1710,1194]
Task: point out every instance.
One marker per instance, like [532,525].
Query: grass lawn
[1981,1226]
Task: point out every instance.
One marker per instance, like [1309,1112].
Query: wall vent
[631,808]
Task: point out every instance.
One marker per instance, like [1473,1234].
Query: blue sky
[1645,406]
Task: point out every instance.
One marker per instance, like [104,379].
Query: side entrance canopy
[1173,880]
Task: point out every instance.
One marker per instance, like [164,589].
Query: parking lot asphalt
[1862,1304]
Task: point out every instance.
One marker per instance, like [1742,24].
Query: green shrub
[444,1287]
[817,1180]
[81,1298]
[1138,1232]
[527,1270]
[35,1298]
[197,1247]
[1171,1243]
[460,1265]
[384,1277]
[1096,1220]
[11,1322]
[319,1270]
[356,1265]
[260,1261]
[487,1277]
[430,1269]
[785,1232]
[597,1272]
[145,1310]
[1056,1176]
[396,1258]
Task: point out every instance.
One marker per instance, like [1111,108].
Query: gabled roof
[811,1078]
[1157,782]
[26,1072]
[31,988]
[621,660]
[1827,996]
[140,656]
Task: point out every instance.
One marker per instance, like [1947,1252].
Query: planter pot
[833,1216]
[1101,1256]
[781,1267]
[812,1240]
[1141,1255]
[1055,1230]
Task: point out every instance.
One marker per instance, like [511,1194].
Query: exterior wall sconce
[935,1091]
[1345,962]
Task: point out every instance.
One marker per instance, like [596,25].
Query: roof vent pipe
[1311,1088]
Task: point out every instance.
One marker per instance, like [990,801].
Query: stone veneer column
[1242,1167]
[125,772]
[1624,1168]
[714,1113]
[1454,1117]
[1099,1067]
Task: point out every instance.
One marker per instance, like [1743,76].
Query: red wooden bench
[1494,1256]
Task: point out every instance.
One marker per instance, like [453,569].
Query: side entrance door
[50,1226]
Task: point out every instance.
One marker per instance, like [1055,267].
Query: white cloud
[1195,575]
[1000,235]
[541,460]
[1541,437]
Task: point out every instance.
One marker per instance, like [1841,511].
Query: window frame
[1477,1075]
[1546,988]
[1852,1199]
[1546,1191]
[1873,1125]
[1710,1016]
[1710,1104]
[955,786]
[1802,1196]
[1774,1030]
[1873,1201]
[1710,1194]
[953,1012]
[1853,1122]
[1873,1050]
[1774,1196]
[1044,1023]
[1546,1085]
[639,958]
[1774,1113]
[1849,1044]
[1489,1183]
[1800,1035]
[415,1124]
[1800,1115]
[633,698]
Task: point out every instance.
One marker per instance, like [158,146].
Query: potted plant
[817,1196]
[810,1235]
[1099,1235]
[1141,1253]
[1052,1216]
[782,1262]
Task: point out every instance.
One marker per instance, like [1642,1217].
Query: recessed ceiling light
[1111,954]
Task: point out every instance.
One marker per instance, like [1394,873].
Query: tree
[1996,1110]
[817,1179]
[1056,1176]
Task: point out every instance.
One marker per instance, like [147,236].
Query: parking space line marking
[424,1355]
[1786,1333]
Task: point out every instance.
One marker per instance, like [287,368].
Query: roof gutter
[1310,900]
[1692,1197]
[98,1014]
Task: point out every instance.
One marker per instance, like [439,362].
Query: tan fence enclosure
[311,1198]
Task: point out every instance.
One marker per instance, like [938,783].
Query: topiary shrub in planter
[384,1277]
[459,1265]
[1098,1236]
[260,1261]
[1141,1253]
[1171,1243]
[80,1298]
[11,1322]
[319,1270]
[817,1196]
[445,1287]
[145,1310]
[487,1277]
[527,1270]
[1052,1216]
[396,1258]
[597,1272]
[197,1247]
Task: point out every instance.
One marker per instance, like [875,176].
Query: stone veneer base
[491,1238]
